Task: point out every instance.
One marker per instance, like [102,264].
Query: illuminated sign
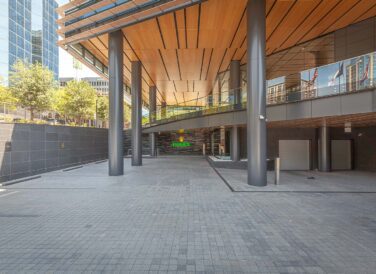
[180,144]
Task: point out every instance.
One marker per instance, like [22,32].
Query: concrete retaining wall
[32,149]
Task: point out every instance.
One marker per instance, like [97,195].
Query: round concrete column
[324,146]
[256,93]
[115,130]
[136,114]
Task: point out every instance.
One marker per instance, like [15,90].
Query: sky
[66,61]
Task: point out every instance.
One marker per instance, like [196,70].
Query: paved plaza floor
[304,181]
[176,215]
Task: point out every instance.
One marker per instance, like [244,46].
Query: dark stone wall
[164,140]
[196,137]
[128,141]
[32,149]
[363,139]
[276,134]
[364,146]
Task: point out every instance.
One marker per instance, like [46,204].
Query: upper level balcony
[344,77]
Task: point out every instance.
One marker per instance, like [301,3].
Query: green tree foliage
[102,107]
[127,114]
[76,101]
[6,96]
[32,85]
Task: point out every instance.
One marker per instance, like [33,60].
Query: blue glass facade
[28,32]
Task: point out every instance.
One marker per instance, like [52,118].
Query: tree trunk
[31,114]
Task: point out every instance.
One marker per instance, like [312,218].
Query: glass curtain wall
[4,44]
[37,30]
[28,33]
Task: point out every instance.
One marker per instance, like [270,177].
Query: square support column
[115,131]
[256,93]
[136,114]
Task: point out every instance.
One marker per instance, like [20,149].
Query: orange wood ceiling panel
[192,26]
[168,31]
[299,10]
[180,20]
[182,51]
[330,18]
[190,63]
[218,23]
[357,11]
[276,15]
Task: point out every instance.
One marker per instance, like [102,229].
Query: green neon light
[180,144]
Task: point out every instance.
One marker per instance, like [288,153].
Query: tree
[77,66]
[7,101]
[127,114]
[6,96]
[76,100]
[32,85]
[102,107]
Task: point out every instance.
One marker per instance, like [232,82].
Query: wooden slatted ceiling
[300,58]
[187,48]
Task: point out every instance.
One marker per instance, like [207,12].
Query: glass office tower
[28,32]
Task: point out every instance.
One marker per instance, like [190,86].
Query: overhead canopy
[184,44]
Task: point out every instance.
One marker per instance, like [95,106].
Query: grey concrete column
[219,91]
[136,114]
[235,81]
[256,93]
[116,105]
[234,85]
[163,110]
[210,100]
[152,118]
[235,144]
[153,144]
[152,103]
[324,139]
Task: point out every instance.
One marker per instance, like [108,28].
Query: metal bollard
[277,166]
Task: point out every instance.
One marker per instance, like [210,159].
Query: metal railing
[10,111]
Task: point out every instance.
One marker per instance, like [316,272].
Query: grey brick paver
[175,215]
